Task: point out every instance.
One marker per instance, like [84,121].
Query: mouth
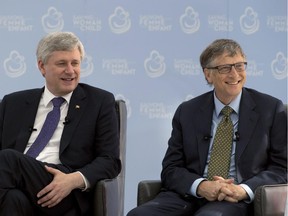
[67,79]
[233,83]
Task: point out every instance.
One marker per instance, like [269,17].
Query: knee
[16,197]
[9,156]
[16,200]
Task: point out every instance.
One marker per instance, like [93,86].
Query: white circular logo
[155,65]
[190,21]
[52,21]
[119,21]
[15,64]
[279,66]
[249,21]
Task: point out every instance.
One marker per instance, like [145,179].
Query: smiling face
[227,86]
[61,71]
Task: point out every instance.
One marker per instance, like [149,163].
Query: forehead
[65,55]
[226,58]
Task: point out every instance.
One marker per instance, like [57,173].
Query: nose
[233,70]
[69,69]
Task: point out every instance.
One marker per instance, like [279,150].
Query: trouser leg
[165,204]
[17,202]
[171,204]
[28,175]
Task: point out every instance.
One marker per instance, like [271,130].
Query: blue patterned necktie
[49,126]
[219,163]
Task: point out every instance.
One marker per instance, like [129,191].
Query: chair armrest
[147,190]
[270,200]
[106,199]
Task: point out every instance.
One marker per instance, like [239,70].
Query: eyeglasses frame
[230,65]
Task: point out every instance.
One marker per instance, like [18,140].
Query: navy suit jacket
[261,152]
[90,138]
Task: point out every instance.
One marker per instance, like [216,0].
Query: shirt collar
[48,96]
[234,104]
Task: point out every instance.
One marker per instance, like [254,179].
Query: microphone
[66,121]
[237,136]
[207,137]
[31,129]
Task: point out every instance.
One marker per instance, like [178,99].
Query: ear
[41,67]
[208,75]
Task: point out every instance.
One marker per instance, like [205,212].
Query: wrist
[77,181]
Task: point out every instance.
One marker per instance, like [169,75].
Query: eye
[75,64]
[224,68]
[239,65]
[61,64]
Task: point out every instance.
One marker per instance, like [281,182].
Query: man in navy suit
[83,149]
[259,146]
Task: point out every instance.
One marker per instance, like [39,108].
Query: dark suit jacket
[90,139]
[261,152]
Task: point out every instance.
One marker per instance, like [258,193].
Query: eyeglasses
[224,69]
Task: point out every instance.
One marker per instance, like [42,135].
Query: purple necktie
[49,126]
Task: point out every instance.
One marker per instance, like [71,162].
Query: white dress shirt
[50,153]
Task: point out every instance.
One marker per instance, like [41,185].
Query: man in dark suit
[83,149]
[258,153]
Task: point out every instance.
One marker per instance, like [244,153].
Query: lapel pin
[77,107]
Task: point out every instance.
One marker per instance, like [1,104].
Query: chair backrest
[122,118]
[109,193]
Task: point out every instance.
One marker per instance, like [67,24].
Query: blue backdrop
[147,53]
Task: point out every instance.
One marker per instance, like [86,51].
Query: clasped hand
[221,189]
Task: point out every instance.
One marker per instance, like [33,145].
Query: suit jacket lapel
[30,109]
[204,119]
[247,122]
[76,108]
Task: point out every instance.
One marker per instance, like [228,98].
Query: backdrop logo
[15,65]
[189,21]
[87,23]
[52,21]
[14,23]
[279,66]
[186,67]
[118,66]
[156,110]
[278,23]
[253,70]
[249,21]
[220,23]
[119,21]
[87,66]
[154,65]
[154,23]
[127,102]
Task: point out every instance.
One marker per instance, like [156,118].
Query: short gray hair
[58,41]
[218,48]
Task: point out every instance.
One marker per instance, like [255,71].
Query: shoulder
[261,102]
[198,104]
[24,95]
[204,99]
[88,89]
[257,94]
[92,94]
[259,97]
